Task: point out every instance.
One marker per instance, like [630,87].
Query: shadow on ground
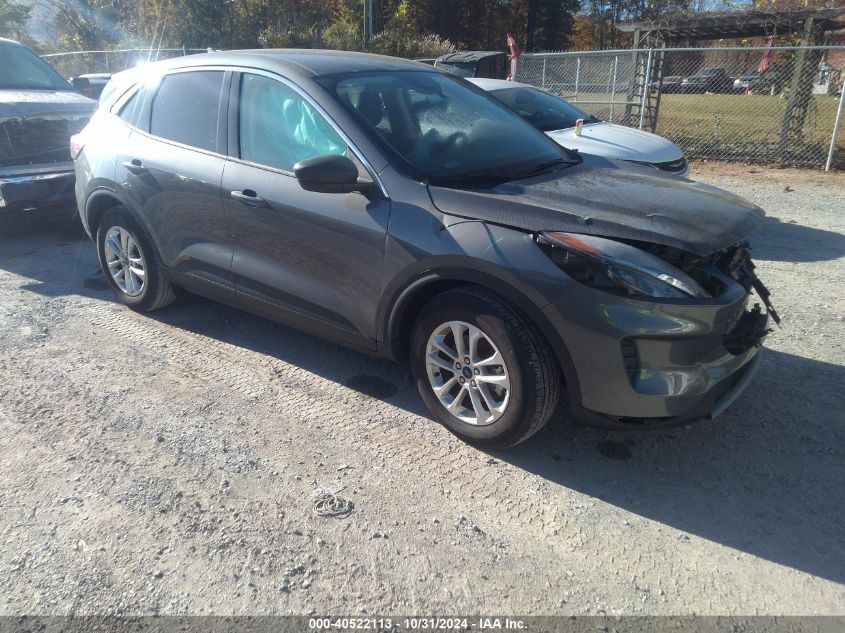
[778,240]
[56,257]
[766,478]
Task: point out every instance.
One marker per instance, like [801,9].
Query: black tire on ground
[157,291]
[534,372]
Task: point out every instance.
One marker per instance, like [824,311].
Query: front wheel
[482,369]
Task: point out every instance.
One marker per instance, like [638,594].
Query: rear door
[171,169]
[313,259]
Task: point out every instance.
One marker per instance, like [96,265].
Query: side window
[185,108]
[131,110]
[277,127]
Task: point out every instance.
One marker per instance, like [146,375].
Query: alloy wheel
[125,261]
[467,373]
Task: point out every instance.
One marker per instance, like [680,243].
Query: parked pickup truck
[39,111]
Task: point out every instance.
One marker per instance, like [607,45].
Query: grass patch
[737,127]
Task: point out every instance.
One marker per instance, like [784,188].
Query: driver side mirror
[330,173]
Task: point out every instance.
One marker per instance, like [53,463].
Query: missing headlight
[618,267]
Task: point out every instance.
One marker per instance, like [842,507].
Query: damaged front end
[679,344]
[734,262]
[657,271]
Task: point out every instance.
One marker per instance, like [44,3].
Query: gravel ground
[169,463]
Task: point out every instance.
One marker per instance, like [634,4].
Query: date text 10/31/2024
[417,624]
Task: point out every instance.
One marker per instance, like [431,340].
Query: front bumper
[651,364]
[40,191]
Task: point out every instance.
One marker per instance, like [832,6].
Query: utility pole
[368,21]
[532,18]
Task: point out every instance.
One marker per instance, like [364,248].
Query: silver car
[556,117]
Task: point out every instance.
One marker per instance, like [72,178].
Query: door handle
[248,197]
[135,166]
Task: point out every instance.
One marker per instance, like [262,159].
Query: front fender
[504,261]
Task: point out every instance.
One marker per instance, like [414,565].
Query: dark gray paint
[347,266]
[177,190]
[316,254]
[609,199]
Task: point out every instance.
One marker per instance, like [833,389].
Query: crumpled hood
[16,104]
[619,142]
[599,197]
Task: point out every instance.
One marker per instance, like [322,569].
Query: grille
[673,166]
[631,358]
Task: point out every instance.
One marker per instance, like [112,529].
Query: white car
[557,117]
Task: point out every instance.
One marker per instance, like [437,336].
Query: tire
[528,369]
[154,290]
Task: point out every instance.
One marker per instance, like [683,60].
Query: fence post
[646,79]
[835,128]
[613,87]
[577,76]
[544,72]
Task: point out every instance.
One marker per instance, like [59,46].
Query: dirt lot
[168,463]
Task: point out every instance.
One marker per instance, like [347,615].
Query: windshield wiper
[539,169]
[499,177]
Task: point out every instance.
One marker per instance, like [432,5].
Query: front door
[314,259]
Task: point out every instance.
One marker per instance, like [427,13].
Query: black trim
[234,149]
[222,114]
[673,166]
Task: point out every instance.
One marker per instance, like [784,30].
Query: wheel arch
[101,200]
[408,301]
[98,202]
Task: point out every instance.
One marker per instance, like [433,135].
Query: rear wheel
[482,368]
[130,262]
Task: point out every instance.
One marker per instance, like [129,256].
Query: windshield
[541,109]
[22,69]
[441,128]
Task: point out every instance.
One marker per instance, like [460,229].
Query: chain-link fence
[764,105]
[111,61]
[768,105]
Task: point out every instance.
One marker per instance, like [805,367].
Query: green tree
[13,19]
[553,23]
[401,37]
[86,24]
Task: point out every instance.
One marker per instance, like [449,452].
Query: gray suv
[406,213]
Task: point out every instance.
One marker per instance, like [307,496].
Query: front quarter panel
[425,247]
[422,240]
